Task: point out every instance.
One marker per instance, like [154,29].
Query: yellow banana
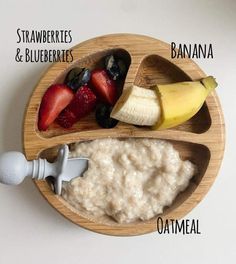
[164,107]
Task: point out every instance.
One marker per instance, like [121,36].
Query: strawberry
[104,86]
[55,99]
[66,119]
[82,104]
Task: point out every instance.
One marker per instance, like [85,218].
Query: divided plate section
[196,153]
[92,61]
[154,70]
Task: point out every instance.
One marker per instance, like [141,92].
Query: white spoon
[14,168]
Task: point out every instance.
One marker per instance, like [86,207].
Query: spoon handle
[14,168]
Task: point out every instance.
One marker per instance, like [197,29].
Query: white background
[33,232]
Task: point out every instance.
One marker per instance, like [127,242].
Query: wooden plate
[200,140]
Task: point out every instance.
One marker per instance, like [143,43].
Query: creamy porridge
[128,179]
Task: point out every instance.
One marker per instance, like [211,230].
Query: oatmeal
[128,179]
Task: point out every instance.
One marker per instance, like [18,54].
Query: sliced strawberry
[82,104]
[55,99]
[104,86]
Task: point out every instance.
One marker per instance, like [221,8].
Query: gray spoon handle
[14,168]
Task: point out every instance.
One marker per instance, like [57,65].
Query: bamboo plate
[200,140]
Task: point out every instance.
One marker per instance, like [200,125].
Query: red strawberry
[55,99]
[67,118]
[82,104]
[104,86]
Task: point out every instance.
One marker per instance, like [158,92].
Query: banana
[138,106]
[166,106]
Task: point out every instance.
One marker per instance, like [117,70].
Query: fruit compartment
[154,70]
[92,61]
[197,153]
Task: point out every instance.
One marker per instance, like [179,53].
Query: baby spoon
[14,168]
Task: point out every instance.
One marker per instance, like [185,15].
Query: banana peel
[181,101]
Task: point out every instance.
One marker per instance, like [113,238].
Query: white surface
[33,232]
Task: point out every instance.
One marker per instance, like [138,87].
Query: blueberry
[103,118]
[72,74]
[78,80]
[112,67]
[116,68]
[122,67]
[84,76]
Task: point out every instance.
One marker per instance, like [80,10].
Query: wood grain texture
[201,139]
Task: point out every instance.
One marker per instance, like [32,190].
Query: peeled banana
[165,106]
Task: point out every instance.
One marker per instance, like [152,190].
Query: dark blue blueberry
[112,67]
[84,76]
[116,68]
[103,118]
[75,81]
[72,74]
